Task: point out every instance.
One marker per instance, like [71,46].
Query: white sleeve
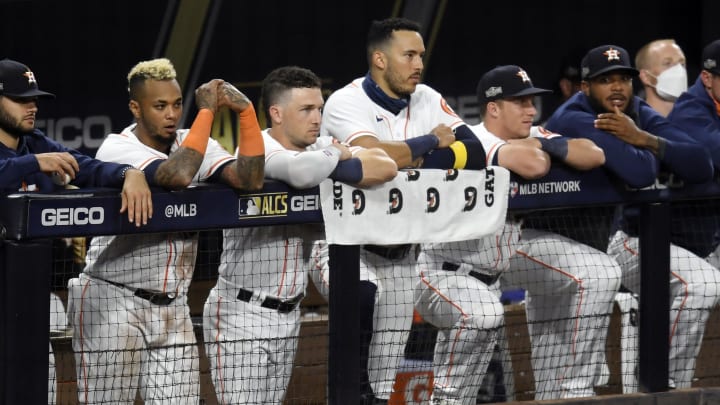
[540,132]
[301,169]
[215,157]
[347,116]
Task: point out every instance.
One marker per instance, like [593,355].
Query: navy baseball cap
[17,80]
[711,57]
[506,81]
[605,59]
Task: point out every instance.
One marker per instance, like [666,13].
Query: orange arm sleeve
[250,141]
[199,133]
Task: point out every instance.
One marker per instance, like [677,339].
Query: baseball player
[389,109]
[29,161]
[252,317]
[579,278]
[128,309]
[638,140]
[694,286]
[458,289]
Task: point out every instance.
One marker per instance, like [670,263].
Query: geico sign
[72,216]
[76,132]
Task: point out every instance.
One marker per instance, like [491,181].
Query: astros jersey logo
[523,75]
[30,76]
[444,105]
[612,54]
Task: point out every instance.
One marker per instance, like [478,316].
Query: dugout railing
[29,220]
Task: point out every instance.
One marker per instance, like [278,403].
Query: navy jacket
[20,170]
[635,166]
[695,113]
[696,225]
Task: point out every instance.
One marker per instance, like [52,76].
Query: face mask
[671,83]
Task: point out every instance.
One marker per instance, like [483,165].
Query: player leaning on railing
[131,323]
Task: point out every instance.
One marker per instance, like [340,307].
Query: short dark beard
[12,128]
[600,109]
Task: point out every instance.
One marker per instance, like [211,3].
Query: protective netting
[547,308]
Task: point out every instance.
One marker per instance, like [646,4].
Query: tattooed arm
[182,165]
[248,171]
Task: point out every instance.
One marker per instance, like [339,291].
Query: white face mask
[671,83]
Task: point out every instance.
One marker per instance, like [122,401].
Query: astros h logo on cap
[605,59]
[18,81]
[506,81]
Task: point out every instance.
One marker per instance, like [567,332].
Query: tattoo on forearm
[182,164]
[247,173]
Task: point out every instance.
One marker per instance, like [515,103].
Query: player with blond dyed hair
[129,312]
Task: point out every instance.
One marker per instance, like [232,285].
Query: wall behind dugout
[82,50]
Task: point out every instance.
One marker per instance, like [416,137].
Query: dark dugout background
[82,50]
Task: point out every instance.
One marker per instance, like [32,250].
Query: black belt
[485,278]
[395,252]
[154,297]
[281,306]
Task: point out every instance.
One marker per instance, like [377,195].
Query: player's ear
[585,87]
[378,59]
[646,78]
[706,78]
[134,108]
[275,112]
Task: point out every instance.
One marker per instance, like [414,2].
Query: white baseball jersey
[349,114]
[160,262]
[107,318]
[251,348]
[570,287]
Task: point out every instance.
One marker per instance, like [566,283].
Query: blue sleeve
[636,167]
[348,171]
[464,132]
[15,169]
[683,155]
[699,123]
[96,173]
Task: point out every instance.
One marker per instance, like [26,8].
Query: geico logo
[76,132]
[305,203]
[72,216]
[181,210]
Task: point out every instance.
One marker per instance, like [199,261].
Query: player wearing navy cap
[570,286]
[638,142]
[696,111]
[457,290]
[32,162]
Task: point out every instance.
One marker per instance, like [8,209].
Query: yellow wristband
[460,152]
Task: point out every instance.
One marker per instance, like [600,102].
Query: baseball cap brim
[530,91]
[607,69]
[28,94]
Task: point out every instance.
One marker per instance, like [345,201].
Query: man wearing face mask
[661,66]
[636,139]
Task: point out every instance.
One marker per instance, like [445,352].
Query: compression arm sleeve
[462,154]
[303,169]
